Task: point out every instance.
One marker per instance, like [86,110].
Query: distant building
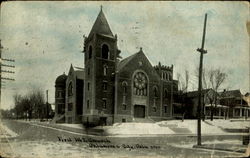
[234,100]
[111,90]
[229,104]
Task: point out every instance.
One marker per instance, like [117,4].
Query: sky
[44,38]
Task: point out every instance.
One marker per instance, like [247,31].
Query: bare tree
[37,104]
[183,86]
[212,79]
[17,107]
[31,105]
[216,78]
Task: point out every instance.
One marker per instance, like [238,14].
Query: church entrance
[103,121]
[139,111]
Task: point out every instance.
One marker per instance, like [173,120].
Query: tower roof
[61,80]
[101,25]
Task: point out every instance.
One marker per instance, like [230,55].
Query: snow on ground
[79,126]
[5,132]
[230,124]
[192,126]
[137,129]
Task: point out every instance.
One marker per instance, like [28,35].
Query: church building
[110,89]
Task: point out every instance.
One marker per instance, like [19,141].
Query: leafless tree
[212,79]
[216,78]
[17,107]
[29,104]
[183,86]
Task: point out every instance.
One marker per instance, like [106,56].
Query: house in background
[229,104]
[234,100]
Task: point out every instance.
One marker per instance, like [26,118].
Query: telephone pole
[3,70]
[202,51]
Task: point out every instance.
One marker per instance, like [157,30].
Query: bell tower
[101,52]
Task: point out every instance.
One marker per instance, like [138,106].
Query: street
[34,141]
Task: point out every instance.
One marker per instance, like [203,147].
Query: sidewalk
[225,147]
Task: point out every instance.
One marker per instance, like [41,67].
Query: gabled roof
[101,26]
[231,94]
[124,62]
[247,99]
[79,74]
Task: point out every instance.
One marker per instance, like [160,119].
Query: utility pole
[47,104]
[202,51]
[4,71]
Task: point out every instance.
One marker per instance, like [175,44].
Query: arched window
[70,89]
[105,70]
[140,84]
[165,93]
[90,52]
[155,92]
[105,51]
[124,87]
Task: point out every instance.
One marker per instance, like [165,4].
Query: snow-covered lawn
[79,126]
[170,126]
[192,126]
[230,124]
[137,129]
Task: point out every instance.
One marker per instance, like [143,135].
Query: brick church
[110,89]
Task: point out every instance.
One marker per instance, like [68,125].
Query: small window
[104,103]
[88,86]
[70,107]
[88,71]
[87,104]
[124,107]
[105,70]
[165,109]
[155,92]
[90,52]
[105,51]
[105,86]
[154,109]
[165,93]
[70,89]
[124,87]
